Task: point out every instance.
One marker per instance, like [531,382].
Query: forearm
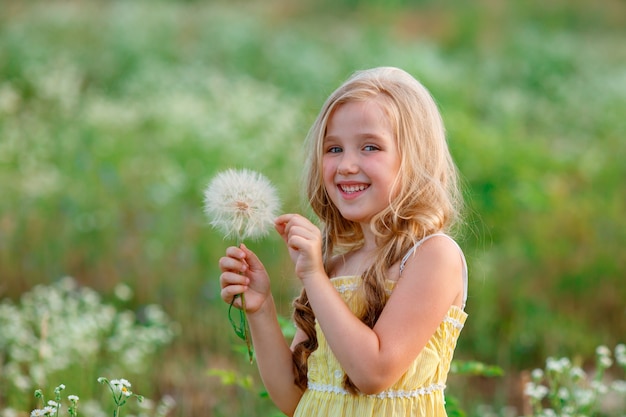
[274,358]
[343,332]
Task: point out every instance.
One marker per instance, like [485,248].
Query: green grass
[115,115]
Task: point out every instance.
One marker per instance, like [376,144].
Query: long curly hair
[426,197]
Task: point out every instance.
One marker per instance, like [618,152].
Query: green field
[114,115]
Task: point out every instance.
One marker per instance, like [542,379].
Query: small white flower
[599,387]
[563,393]
[49,410]
[122,385]
[37,413]
[241,203]
[537,374]
[603,351]
[123,292]
[548,412]
[620,354]
[605,361]
[73,398]
[577,373]
[557,365]
[53,403]
[535,391]
[584,397]
[619,386]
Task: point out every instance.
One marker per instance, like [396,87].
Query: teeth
[352,188]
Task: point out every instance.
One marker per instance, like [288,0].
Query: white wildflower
[73,398]
[11,412]
[605,361]
[619,386]
[48,410]
[37,413]
[604,356]
[241,203]
[122,385]
[577,373]
[535,391]
[620,354]
[123,292]
[563,393]
[166,404]
[557,365]
[599,387]
[603,351]
[584,397]
[548,412]
[537,374]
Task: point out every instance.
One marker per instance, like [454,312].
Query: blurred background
[114,115]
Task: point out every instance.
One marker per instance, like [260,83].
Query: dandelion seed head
[241,203]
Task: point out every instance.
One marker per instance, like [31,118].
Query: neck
[369,239]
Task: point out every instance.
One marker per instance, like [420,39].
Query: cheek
[328,172]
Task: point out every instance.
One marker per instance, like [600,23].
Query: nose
[348,164]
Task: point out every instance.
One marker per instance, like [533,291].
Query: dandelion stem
[246,329]
[243,204]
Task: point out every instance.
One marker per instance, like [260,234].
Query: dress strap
[418,244]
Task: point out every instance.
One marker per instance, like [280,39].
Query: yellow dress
[419,392]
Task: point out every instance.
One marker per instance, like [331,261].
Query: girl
[383,287]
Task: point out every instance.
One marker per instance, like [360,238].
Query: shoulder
[436,261]
[436,248]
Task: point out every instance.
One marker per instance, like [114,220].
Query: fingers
[251,261]
[289,225]
[233,280]
[234,261]
[233,284]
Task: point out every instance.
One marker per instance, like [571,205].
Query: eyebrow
[360,136]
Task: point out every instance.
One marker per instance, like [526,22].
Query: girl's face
[360,159]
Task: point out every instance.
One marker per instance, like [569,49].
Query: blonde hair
[426,197]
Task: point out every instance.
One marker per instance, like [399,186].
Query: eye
[334,149]
[371,148]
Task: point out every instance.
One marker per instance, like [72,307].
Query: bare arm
[274,358]
[242,271]
[430,284]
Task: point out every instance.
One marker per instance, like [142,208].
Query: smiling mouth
[349,189]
